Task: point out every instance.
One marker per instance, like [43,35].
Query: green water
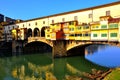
[43,67]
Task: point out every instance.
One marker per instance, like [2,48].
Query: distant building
[1,18]
[9,20]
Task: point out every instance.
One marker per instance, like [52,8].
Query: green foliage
[114,75]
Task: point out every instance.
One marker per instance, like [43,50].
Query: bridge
[62,48]
[66,32]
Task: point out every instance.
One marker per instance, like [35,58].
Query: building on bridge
[36,27]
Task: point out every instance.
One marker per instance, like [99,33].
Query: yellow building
[114,26]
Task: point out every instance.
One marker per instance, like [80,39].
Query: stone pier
[59,48]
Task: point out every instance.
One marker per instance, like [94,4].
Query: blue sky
[28,9]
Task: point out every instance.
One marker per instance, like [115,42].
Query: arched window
[29,32]
[43,32]
[36,32]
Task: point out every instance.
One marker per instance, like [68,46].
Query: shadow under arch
[29,32]
[36,32]
[37,47]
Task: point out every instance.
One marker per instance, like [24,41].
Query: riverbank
[111,74]
[114,75]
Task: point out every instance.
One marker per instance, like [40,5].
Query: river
[42,66]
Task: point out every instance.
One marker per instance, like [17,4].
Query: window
[35,23]
[113,34]
[71,23]
[90,15]
[113,25]
[94,35]
[107,13]
[43,22]
[63,19]
[8,27]
[71,29]
[29,24]
[86,34]
[48,35]
[23,25]
[79,27]
[103,35]
[86,27]
[13,27]
[72,34]
[79,34]
[52,21]
[103,26]
[75,18]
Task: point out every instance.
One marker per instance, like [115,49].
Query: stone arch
[36,32]
[43,32]
[29,32]
[36,47]
[79,48]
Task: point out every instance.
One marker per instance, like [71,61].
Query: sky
[29,9]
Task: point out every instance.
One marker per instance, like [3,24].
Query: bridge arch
[29,32]
[78,48]
[36,32]
[37,46]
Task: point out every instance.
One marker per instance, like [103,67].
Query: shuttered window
[113,34]
[103,35]
[94,35]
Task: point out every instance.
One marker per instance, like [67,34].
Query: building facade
[83,18]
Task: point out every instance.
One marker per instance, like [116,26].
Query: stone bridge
[41,39]
[62,47]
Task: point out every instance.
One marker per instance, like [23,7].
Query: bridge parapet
[76,43]
[41,39]
[72,44]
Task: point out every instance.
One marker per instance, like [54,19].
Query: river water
[42,66]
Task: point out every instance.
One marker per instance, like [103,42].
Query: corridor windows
[63,19]
[43,22]
[75,18]
[90,15]
[29,24]
[36,23]
[52,21]
[107,13]
[23,25]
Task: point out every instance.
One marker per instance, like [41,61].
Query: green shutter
[94,35]
[113,34]
[103,35]
[103,26]
[113,25]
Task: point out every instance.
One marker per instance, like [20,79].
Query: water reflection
[104,55]
[43,67]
